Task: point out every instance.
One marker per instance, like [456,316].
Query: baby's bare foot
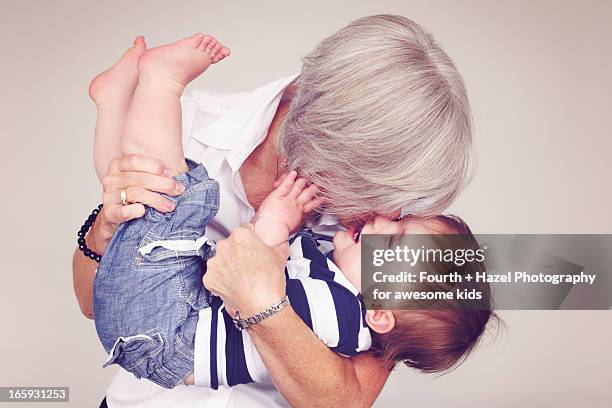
[153,125]
[116,85]
[175,65]
[112,91]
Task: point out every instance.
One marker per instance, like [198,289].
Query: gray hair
[380,120]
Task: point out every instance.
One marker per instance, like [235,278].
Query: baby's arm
[282,211]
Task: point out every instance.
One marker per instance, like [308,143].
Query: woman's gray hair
[380,120]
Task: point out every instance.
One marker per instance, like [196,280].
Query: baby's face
[347,244]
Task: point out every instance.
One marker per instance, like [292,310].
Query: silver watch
[242,324]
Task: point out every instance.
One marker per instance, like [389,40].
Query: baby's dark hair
[440,336]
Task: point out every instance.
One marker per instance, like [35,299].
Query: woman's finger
[148,181]
[213,278]
[121,213]
[308,194]
[139,195]
[242,234]
[161,184]
[282,250]
[136,194]
[208,281]
[136,162]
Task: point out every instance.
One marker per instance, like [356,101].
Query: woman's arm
[83,274]
[142,177]
[308,373]
[249,276]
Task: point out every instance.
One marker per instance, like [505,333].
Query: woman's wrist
[243,322]
[254,305]
[272,323]
[99,236]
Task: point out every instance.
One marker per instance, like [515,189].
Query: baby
[148,292]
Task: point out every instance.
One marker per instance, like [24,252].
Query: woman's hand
[249,276]
[142,178]
[246,273]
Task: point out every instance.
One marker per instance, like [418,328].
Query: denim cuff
[196,174]
[200,189]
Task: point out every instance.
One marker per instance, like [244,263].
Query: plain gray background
[538,76]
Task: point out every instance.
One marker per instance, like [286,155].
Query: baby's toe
[216,50]
[205,42]
[139,43]
[195,40]
[224,52]
[211,45]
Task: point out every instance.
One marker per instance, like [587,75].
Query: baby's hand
[281,212]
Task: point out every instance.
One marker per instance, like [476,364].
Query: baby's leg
[153,125]
[112,93]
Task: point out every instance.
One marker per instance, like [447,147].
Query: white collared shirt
[219,131]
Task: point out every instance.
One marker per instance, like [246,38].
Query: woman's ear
[381,321]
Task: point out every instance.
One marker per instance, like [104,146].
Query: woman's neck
[260,169]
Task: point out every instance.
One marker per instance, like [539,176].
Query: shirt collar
[244,126]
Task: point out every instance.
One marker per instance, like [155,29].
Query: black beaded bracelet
[83,231]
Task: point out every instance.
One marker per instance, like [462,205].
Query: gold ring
[124,200]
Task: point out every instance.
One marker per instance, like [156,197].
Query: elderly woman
[378,118]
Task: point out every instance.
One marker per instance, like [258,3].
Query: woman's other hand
[246,273]
[143,179]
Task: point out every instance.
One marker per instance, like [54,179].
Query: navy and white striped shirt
[318,292]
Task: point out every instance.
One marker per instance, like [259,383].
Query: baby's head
[432,339]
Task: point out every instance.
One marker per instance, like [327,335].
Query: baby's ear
[381,321]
